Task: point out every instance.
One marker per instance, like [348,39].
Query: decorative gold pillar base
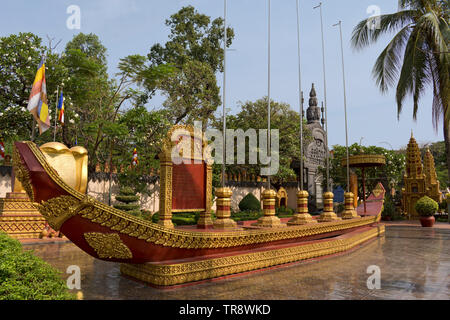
[349,211]
[328,214]
[166,223]
[223,212]
[205,221]
[302,216]
[19,218]
[269,220]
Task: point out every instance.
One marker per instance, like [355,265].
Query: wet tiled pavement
[414,264]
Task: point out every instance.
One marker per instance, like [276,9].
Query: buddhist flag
[61,109]
[135,158]
[37,104]
[2,151]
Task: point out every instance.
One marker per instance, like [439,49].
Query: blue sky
[132,26]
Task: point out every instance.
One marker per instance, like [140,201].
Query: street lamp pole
[300,92]
[225,39]
[268,97]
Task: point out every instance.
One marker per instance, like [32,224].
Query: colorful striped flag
[135,158]
[61,109]
[37,104]
[2,151]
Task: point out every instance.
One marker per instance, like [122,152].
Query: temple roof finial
[313,112]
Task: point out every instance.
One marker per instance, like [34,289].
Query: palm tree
[416,58]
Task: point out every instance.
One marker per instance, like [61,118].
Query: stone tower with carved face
[315,152]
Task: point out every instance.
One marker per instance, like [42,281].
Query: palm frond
[405,84]
[388,64]
[363,35]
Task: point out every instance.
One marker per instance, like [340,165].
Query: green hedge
[180,219]
[246,215]
[24,276]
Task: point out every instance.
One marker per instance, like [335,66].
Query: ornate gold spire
[429,169]
[414,166]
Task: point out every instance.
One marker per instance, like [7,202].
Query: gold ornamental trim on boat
[124,223]
[108,245]
[168,275]
[22,174]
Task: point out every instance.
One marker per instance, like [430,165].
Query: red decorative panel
[189,186]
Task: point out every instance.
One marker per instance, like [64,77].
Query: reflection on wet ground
[414,264]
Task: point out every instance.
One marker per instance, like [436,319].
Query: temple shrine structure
[315,152]
[420,179]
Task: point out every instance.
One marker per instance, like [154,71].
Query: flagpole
[345,105]
[300,96]
[56,110]
[268,97]
[224,91]
[33,126]
[325,97]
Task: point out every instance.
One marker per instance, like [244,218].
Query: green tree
[192,94]
[193,36]
[96,99]
[254,116]
[195,48]
[415,58]
[21,55]
[391,174]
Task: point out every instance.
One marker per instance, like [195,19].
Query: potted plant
[426,208]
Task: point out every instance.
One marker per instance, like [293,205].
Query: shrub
[129,201]
[284,211]
[426,206]
[246,215]
[250,203]
[24,276]
[180,219]
[340,208]
[388,207]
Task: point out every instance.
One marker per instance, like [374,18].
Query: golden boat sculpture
[169,256]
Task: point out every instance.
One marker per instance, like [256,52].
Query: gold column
[349,211]
[302,216]
[205,220]
[269,219]
[328,214]
[448,206]
[354,188]
[165,198]
[223,212]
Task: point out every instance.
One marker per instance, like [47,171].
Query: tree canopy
[391,174]
[253,115]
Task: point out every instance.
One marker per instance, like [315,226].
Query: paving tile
[414,264]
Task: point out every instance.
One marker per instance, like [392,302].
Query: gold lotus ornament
[71,165]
